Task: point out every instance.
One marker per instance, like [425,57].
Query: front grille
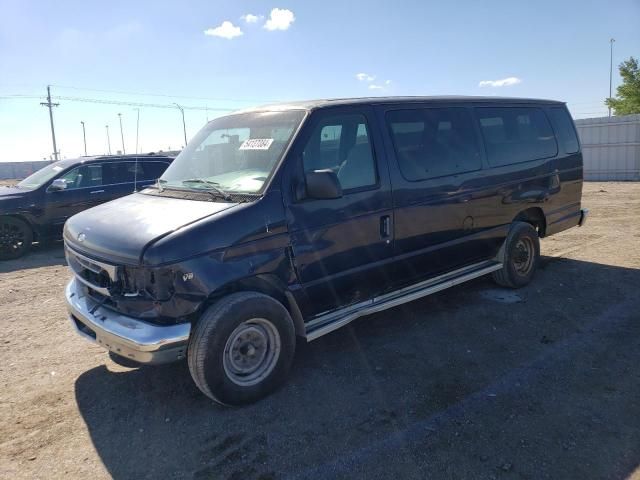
[98,276]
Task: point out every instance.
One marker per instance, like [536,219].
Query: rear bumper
[126,336]
[584,213]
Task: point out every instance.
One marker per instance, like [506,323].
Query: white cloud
[365,77]
[251,18]
[373,86]
[226,30]
[279,19]
[504,82]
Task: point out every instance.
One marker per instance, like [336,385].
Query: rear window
[434,142]
[566,133]
[516,134]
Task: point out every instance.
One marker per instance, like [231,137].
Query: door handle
[97,191]
[385,226]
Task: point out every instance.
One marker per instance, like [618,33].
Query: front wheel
[16,237]
[242,348]
[521,256]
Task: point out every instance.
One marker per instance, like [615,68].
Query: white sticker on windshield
[256,144]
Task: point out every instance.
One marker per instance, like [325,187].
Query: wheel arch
[267,284]
[34,228]
[535,217]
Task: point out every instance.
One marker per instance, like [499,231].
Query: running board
[332,321]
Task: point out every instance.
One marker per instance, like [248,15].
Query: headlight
[156,283]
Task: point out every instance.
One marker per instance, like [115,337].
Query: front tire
[242,348]
[16,237]
[521,256]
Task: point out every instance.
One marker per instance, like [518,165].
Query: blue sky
[159,52]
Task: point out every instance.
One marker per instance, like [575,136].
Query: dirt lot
[474,382]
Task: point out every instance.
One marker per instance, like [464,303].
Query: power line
[165,95]
[139,104]
[119,102]
[22,97]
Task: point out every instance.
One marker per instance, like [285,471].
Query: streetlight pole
[108,139]
[137,128]
[124,152]
[184,125]
[84,137]
[611,41]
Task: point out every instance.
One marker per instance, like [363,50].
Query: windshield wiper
[212,186]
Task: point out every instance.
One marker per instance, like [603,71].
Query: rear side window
[516,134]
[563,125]
[434,142]
[342,144]
[118,172]
[130,171]
[153,170]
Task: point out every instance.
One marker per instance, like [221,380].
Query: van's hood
[119,231]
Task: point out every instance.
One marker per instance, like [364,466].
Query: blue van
[293,220]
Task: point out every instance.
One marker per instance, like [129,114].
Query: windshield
[234,154]
[41,177]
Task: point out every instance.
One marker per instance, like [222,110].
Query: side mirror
[57,185]
[323,184]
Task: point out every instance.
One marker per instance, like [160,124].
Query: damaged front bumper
[125,336]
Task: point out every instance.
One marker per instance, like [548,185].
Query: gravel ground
[473,382]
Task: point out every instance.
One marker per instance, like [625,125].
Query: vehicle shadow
[46,255]
[472,382]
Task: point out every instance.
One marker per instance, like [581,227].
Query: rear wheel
[16,237]
[241,349]
[521,256]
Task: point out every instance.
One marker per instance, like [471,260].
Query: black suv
[37,207]
[293,220]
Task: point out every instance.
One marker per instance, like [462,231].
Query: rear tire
[242,348]
[521,256]
[16,237]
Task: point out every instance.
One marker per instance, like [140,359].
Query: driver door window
[85,176]
[342,144]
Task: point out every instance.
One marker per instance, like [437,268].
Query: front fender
[198,280]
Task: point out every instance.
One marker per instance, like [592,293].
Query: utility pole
[84,137]
[184,125]
[53,132]
[137,128]
[124,152]
[611,41]
[108,139]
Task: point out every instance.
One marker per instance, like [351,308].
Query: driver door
[342,247]
[84,189]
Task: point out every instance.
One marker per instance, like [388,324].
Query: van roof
[328,102]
